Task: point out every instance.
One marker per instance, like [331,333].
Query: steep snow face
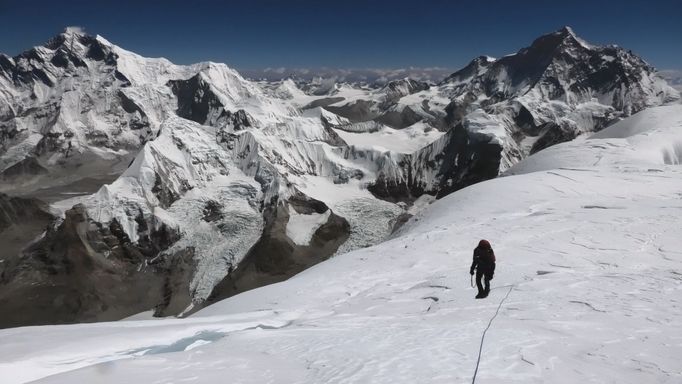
[185,180]
[302,227]
[558,88]
[555,90]
[408,140]
[651,138]
[587,288]
[65,105]
[206,159]
[80,106]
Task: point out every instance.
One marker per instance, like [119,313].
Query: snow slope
[407,140]
[208,162]
[587,289]
[212,164]
[649,138]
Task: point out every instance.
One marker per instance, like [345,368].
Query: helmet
[484,244]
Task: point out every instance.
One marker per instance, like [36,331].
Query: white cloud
[369,75]
[673,77]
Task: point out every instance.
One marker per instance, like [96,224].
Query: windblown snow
[587,237]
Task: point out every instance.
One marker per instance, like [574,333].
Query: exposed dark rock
[553,134]
[400,221]
[457,160]
[333,138]
[122,78]
[399,120]
[22,221]
[197,102]
[239,120]
[275,257]
[212,211]
[474,68]
[27,167]
[63,58]
[458,109]
[179,268]
[396,89]
[98,51]
[139,119]
[6,63]
[323,102]
[165,194]
[81,271]
[358,111]
[526,122]
[16,210]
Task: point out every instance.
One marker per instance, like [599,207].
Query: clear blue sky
[345,33]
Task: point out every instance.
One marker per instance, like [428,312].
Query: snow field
[589,257]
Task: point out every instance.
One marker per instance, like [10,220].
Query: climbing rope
[480,349]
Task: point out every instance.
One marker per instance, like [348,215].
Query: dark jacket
[484,259]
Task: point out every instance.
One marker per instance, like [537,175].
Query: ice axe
[472,281]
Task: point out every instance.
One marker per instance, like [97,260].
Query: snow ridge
[205,163]
[590,250]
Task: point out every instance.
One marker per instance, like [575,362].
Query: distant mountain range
[132,184]
[673,77]
[369,76]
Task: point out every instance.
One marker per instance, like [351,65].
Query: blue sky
[345,33]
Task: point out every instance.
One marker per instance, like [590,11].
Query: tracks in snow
[480,349]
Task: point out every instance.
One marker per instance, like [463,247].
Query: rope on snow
[480,349]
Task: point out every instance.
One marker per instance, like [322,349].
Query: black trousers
[480,274]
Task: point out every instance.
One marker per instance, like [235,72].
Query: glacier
[180,185]
[587,288]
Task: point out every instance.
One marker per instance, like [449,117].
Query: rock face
[276,256]
[171,186]
[83,271]
[66,106]
[557,88]
[22,221]
[550,92]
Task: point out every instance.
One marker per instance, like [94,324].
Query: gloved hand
[471,272]
[491,276]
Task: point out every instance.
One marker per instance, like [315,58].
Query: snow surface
[407,140]
[479,122]
[301,227]
[371,220]
[589,262]
[649,139]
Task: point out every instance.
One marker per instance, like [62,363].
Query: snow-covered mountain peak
[396,89]
[564,34]
[475,67]
[66,37]
[562,39]
[206,173]
[76,42]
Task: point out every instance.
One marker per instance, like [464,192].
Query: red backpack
[485,245]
